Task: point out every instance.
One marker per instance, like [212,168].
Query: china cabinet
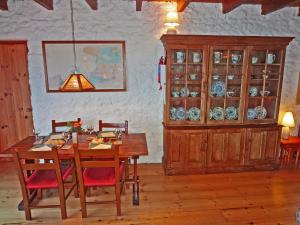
[222,101]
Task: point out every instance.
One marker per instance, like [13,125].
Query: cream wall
[118,20]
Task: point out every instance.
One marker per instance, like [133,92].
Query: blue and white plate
[172,113]
[194,114]
[251,114]
[180,113]
[231,113]
[210,114]
[261,112]
[218,88]
[184,92]
[218,113]
[253,91]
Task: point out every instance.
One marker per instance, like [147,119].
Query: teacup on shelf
[175,94]
[230,93]
[194,94]
[215,77]
[266,93]
[230,76]
[193,76]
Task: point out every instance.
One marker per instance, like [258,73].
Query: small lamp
[287,122]
[172,22]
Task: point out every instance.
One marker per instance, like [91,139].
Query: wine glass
[90,128]
[36,133]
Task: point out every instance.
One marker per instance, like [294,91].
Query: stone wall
[118,20]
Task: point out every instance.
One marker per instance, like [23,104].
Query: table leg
[135,186]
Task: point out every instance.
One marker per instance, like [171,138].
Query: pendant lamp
[76,81]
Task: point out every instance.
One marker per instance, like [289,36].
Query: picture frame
[102,62]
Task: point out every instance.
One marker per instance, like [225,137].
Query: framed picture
[102,63]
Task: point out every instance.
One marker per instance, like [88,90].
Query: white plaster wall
[141,105]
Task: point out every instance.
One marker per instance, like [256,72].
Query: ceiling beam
[138,5]
[267,8]
[93,4]
[229,5]
[3,5]
[182,4]
[48,4]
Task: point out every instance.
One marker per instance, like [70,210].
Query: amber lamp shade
[76,82]
[287,122]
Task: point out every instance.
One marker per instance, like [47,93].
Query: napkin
[54,142]
[102,146]
[41,148]
[109,134]
[56,136]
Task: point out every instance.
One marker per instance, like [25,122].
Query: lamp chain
[73,35]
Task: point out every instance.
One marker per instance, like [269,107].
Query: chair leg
[40,194]
[62,201]
[118,199]
[26,204]
[74,182]
[82,201]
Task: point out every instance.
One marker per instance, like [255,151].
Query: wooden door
[226,147]
[262,145]
[176,145]
[195,156]
[16,114]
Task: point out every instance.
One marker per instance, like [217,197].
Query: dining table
[132,146]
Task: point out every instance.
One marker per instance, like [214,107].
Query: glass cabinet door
[226,77]
[263,85]
[186,73]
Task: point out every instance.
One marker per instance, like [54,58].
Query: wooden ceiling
[267,6]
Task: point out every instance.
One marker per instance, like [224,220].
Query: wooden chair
[99,168]
[35,175]
[62,124]
[123,126]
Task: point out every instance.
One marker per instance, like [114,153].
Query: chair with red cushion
[62,124]
[124,128]
[99,168]
[36,174]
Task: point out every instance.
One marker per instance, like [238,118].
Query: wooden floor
[216,199]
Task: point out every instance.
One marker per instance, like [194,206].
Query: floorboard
[250,198]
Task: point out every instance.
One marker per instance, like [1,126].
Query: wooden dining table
[132,146]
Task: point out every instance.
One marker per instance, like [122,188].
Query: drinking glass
[90,128]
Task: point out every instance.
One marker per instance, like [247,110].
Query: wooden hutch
[222,101]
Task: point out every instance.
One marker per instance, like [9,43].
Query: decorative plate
[261,112]
[194,113]
[172,113]
[218,88]
[210,114]
[251,114]
[180,113]
[218,113]
[253,91]
[184,92]
[231,113]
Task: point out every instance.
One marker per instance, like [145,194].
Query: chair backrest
[123,126]
[93,158]
[62,124]
[299,131]
[28,161]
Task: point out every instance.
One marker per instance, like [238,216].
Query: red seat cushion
[46,178]
[100,176]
